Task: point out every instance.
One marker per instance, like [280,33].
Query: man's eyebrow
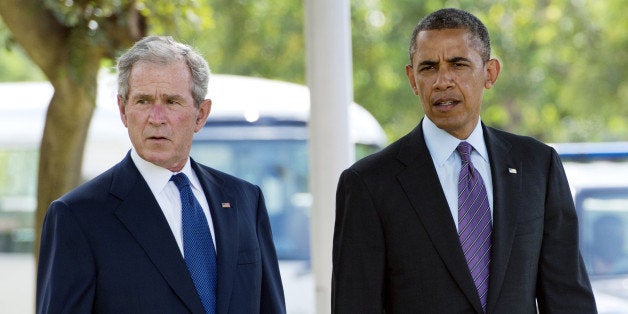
[458,59]
[172,96]
[450,60]
[162,96]
[142,96]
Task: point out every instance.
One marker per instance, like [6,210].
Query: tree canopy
[563,61]
[564,65]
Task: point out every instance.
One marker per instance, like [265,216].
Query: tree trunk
[63,141]
[70,57]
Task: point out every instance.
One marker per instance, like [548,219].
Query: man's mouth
[157,138]
[445,102]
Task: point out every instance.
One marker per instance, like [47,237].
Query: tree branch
[43,31]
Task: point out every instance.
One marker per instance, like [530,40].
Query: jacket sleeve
[272,296]
[358,275]
[563,284]
[65,272]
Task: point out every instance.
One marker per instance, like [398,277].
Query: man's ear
[203,112]
[411,80]
[492,72]
[121,108]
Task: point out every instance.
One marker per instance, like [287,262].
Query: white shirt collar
[442,144]
[157,177]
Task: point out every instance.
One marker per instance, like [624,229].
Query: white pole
[329,75]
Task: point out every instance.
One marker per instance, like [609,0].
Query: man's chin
[157,158]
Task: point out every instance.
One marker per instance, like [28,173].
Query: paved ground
[17,283]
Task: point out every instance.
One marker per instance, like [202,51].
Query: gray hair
[455,19]
[164,50]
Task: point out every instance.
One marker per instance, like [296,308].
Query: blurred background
[564,62]
[563,80]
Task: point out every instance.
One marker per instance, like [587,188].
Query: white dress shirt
[167,194]
[442,148]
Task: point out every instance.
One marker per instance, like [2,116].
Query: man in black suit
[158,232]
[399,241]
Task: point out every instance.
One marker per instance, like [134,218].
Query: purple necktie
[474,221]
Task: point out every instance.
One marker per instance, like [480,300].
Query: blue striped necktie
[474,222]
[198,246]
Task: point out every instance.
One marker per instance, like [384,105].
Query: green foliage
[563,65]
[254,37]
[176,17]
[564,62]
[381,37]
[166,15]
[14,64]
[73,13]
[562,73]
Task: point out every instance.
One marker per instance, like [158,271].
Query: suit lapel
[422,187]
[224,209]
[141,215]
[506,172]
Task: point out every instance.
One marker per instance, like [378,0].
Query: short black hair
[454,19]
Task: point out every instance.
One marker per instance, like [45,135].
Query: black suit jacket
[396,248]
[107,248]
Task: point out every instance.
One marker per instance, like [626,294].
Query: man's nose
[157,114]
[444,79]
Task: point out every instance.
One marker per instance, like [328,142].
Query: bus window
[604,218]
[18,171]
[280,168]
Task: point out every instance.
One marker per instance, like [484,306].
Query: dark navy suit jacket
[396,247]
[106,247]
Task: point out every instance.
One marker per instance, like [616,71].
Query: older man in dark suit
[158,232]
[457,217]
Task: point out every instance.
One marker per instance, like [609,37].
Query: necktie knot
[464,150]
[180,180]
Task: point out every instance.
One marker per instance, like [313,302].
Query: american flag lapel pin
[225,205]
[512,170]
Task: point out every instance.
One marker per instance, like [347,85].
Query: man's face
[160,113]
[449,76]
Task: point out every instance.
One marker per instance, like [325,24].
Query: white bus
[257,130]
[598,177]
[22,116]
